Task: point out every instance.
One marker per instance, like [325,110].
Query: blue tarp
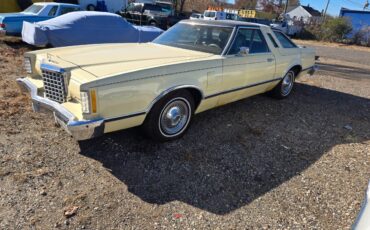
[85,27]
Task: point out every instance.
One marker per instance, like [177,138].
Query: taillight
[2,25]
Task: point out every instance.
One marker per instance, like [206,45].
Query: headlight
[27,65]
[85,104]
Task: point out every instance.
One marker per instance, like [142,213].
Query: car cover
[84,27]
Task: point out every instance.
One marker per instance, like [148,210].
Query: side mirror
[243,51]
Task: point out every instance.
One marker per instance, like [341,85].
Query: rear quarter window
[284,40]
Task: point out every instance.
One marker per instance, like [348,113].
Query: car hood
[117,59]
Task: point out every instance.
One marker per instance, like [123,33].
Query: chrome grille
[54,85]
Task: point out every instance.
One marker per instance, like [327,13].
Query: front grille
[54,85]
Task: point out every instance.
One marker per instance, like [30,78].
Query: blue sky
[334,6]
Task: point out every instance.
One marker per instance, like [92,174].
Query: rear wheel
[285,87]
[170,117]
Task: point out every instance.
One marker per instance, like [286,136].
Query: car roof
[230,23]
[54,4]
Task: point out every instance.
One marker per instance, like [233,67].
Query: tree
[246,4]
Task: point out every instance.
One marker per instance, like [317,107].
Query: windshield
[210,14]
[34,9]
[203,38]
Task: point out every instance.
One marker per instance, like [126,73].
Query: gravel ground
[258,163]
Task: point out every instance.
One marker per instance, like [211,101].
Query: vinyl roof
[231,23]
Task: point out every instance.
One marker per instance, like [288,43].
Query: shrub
[335,29]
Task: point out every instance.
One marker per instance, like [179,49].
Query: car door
[247,73]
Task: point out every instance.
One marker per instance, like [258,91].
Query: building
[306,14]
[360,20]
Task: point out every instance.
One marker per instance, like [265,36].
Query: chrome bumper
[363,219]
[312,70]
[309,71]
[80,130]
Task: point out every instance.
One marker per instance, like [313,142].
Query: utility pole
[326,8]
[286,6]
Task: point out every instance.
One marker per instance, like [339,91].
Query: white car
[214,15]
[196,16]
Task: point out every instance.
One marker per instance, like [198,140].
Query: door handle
[270,59]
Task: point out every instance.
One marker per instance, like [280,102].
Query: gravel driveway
[257,163]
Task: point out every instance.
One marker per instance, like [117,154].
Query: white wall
[298,13]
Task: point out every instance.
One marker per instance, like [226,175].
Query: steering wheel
[214,45]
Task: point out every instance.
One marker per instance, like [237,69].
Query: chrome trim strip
[124,117]
[52,68]
[230,42]
[164,93]
[241,88]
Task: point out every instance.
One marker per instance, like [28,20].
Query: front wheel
[170,117]
[285,87]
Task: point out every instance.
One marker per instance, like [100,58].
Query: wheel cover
[174,117]
[287,84]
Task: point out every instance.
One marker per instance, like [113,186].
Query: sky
[335,5]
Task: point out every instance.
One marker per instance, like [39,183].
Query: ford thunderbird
[195,66]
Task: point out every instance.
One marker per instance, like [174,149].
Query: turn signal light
[93,100]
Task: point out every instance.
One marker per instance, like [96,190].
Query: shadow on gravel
[236,153]
[342,71]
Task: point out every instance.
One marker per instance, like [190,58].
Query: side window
[284,40]
[249,38]
[53,11]
[66,10]
[259,44]
[273,40]
[138,8]
[242,39]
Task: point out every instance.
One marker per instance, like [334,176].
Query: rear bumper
[312,70]
[308,71]
[80,130]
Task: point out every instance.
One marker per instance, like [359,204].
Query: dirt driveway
[257,163]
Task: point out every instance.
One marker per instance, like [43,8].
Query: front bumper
[363,219]
[80,130]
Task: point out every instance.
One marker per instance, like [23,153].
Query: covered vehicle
[80,28]
[11,23]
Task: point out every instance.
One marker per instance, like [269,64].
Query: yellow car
[195,66]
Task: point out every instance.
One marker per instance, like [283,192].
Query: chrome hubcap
[174,117]
[287,84]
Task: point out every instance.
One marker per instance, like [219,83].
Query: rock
[70,211]
[43,193]
[348,127]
